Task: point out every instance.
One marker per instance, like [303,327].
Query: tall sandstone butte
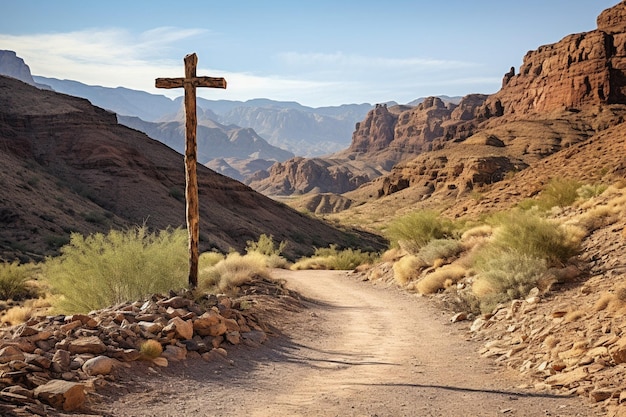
[581,69]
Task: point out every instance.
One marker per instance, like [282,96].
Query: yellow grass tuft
[436,281]
[150,349]
[407,269]
[573,316]
[551,342]
[17,315]
[603,302]
[482,231]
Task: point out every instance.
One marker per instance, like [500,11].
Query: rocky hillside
[68,166]
[558,98]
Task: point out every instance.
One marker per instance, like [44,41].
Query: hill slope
[69,166]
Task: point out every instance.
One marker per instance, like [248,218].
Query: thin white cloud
[342,60]
[116,57]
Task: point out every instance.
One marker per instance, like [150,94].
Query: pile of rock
[55,360]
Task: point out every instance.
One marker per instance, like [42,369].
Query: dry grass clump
[14,280]
[17,315]
[440,279]
[150,349]
[598,217]
[611,301]
[407,269]
[481,231]
[332,258]
[232,272]
[392,255]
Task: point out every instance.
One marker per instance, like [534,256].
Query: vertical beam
[191,159]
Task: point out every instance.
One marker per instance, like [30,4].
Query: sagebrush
[100,270]
[332,258]
[414,230]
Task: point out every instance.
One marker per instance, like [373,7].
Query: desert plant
[506,275]
[333,258]
[407,269]
[529,234]
[13,280]
[265,245]
[588,191]
[440,279]
[439,249]
[208,259]
[559,192]
[150,349]
[231,272]
[267,248]
[100,270]
[414,230]
[17,315]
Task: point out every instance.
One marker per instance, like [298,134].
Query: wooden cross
[190,82]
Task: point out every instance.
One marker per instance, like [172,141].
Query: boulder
[100,365]
[180,328]
[62,395]
[89,344]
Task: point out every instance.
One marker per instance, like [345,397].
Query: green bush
[504,276]
[101,270]
[413,231]
[13,277]
[333,259]
[267,248]
[559,192]
[588,191]
[439,249]
[528,234]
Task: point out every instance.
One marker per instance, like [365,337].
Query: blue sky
[318,53]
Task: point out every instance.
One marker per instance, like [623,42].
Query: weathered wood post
[190,82]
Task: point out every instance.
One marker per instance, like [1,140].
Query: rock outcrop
[580,70]
[13,66]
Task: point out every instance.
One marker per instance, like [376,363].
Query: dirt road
[357,350]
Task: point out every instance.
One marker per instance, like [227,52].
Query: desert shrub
[440,279]
[588,191]
[17,315]
[407,269]
[481,231]
[267,248]
[334,259]
[150,349]
[13,280]
[208,259]
[232,272]
[528,234]
[439,249]
[414,230]
[559,192]
[101,270]
[506,275]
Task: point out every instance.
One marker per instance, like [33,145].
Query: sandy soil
[357,349]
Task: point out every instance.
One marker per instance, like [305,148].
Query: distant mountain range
[302,130]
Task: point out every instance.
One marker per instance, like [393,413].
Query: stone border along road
[357,349]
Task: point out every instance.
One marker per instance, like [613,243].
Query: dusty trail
[358,350]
